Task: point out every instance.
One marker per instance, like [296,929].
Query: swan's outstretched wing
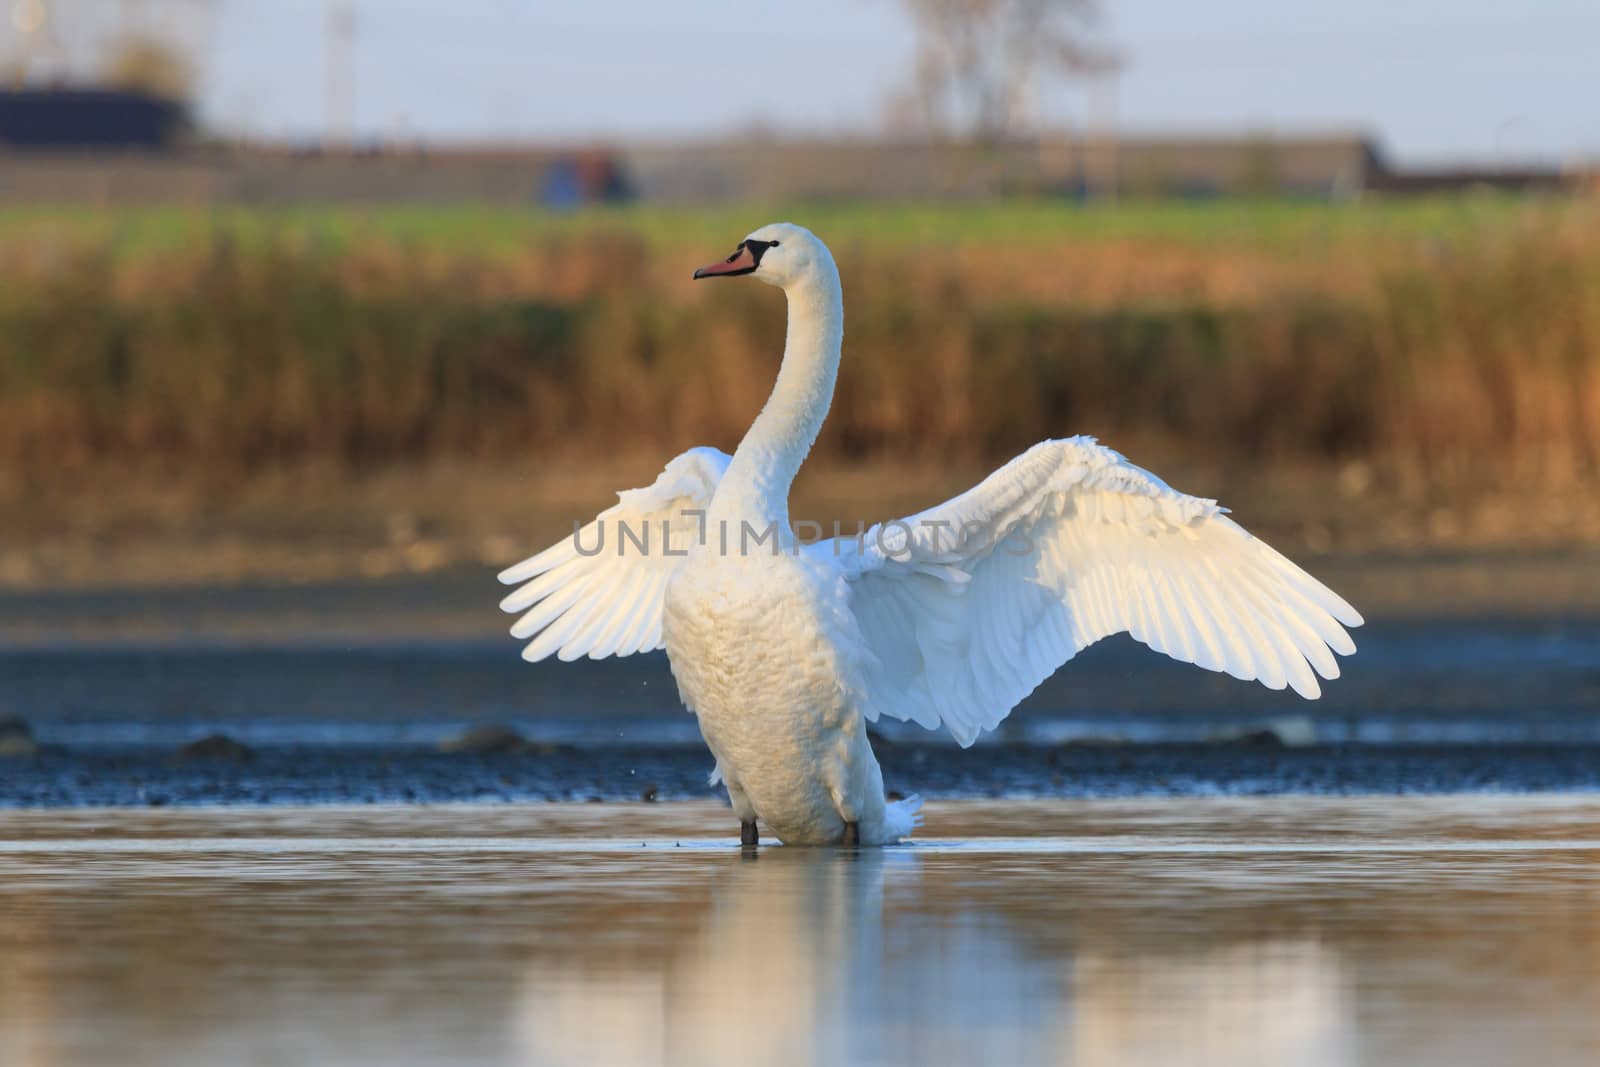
[964,609]
[599,592]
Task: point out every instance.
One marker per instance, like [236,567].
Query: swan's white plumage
[948,618]
[599,592]
[965,608]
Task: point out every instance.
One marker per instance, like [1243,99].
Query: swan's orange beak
[743,261]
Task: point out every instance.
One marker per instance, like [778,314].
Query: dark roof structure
[87,118]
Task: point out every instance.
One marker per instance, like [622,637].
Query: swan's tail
[900,817]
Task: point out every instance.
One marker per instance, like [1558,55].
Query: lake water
[1284,930]
[1427,705]
[414,661]
[1150,911]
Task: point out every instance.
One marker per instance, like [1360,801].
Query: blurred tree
[154,45]
[149,65]
[980,62]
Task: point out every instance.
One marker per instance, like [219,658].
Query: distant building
[226,174]
[74,145]
[1095,166]
[1506,179]
[1332,167]
[93,119]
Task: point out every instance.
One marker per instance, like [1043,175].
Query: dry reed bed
[1470,357]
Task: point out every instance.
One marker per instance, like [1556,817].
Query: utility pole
[341,48]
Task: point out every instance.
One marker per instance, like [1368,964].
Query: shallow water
[1233,931]
[1488,680]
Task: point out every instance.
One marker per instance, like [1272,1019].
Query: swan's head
[779,254]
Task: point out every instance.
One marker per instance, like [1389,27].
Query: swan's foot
[748,835]
[852,835]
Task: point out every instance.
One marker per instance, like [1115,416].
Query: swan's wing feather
[576,601]
[963,609]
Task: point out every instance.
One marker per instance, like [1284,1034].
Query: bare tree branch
[980,63]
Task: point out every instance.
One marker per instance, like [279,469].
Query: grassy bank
[1442,340]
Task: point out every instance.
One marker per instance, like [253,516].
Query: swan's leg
[851,773]
[749,837]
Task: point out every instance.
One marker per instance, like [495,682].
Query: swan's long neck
[756,485]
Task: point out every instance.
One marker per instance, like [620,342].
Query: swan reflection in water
[832,956]
[1314,931]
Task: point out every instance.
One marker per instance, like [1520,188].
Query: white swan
[950,617]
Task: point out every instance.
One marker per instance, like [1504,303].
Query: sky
[1435,80]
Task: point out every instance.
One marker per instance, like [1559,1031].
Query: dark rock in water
[491,739]
[649,794]
[16,738]
[1261,737]
[215,748]
[1285,731]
